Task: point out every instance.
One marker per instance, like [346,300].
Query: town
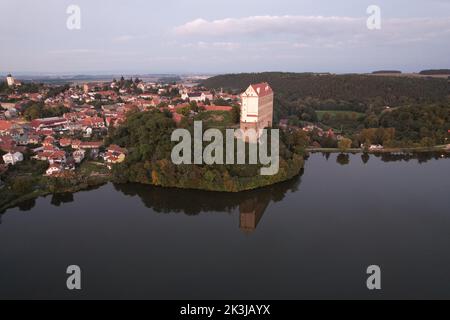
[80,117]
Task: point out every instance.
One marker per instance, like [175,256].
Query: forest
[351,89]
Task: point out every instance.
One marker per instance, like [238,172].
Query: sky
[217,36]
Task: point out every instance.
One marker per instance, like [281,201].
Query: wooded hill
[290,87]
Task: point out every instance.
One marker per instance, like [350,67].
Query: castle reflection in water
[251,212]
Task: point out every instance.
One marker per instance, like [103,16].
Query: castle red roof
[262,89]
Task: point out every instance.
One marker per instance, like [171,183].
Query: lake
[312,237]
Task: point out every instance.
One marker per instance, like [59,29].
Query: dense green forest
[428,125]
[353,89]
[147,136]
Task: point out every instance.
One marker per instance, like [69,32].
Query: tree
[326,117]
[427,142]
[344,144]
[236,114]
[371,121]
[33,112]
[22,185]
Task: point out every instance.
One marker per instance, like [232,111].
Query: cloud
[310,25]
[317,31]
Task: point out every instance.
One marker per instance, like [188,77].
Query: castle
[257,107]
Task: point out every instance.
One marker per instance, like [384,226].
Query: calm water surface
[312,237]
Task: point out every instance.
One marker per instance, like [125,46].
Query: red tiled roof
[90,144]
[57,155]
[116,148]
[262,89]
[5,125]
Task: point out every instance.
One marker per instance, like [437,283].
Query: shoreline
[386,150]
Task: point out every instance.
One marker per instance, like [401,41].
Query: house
[65,142]
[12,158]
[57,157]
[90,145]
[79,155]
[257,107]
[50,147]
[377,147]
[94,122]
[44,132]
[33,139]
[11,113]
[49,141]
[5,126]
[46,123]
[43,155]
[54,169]
[76,144]
[72,116]
[113,158]
[115,154]
[198,96]
[116,149]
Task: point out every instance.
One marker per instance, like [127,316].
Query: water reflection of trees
[194,202]
[343,159]
[421,157]
[61,198]
[251,204]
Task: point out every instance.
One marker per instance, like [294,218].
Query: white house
[79,155]
[13,158]
[54,169]
[197,96]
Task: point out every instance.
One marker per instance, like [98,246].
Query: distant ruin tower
[257,107]
[10,80]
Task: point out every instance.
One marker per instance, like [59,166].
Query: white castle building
[257,107]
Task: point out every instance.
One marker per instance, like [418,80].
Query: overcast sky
[218,36]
